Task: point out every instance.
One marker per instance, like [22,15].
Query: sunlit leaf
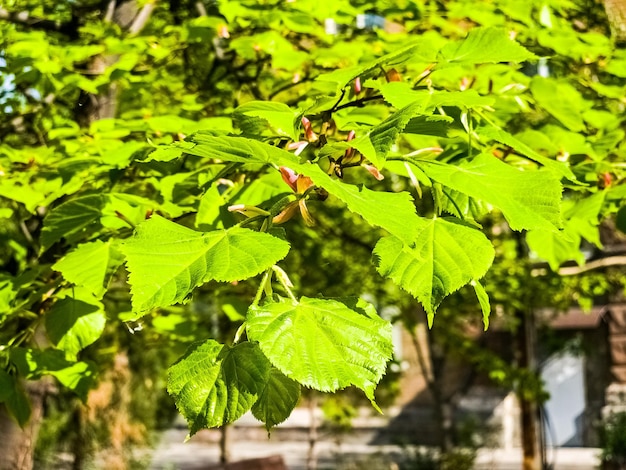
[323,343]
[528,199]
[482,45]
[445,255]
[91,265]
[167,261]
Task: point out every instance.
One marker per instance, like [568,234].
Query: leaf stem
[470,132]
[264,280]
[458,209]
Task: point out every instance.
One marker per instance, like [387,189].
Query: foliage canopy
[185,150]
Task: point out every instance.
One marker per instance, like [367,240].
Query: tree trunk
[616,13]
[17,445]
[225,443]
[528,408]
[311,460]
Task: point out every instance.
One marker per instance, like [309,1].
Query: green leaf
[559,99]
[583,217]
[463,206]
[484,45]
[278,396]
[91,265]
[322,343]
[215,384]
[581,221]
[483,300]
[505,138]
[528,199]
[445,255]
[14,398]
[255,116]
[211,207]
[555,247]
[78,217]
[73,324]
[419,51]
[167,261]
[236,149]
[72,218]
[401,94]
[393,212]
[375,145]
[429,125]
[33,363]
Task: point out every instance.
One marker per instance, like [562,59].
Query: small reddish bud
[465,84]
[289,176]
[393,75]
[222,31]
[303,183]
[297,146]
[308,131]
[306,215]
[286,214]
[374,172]
[357,85]
[349,153]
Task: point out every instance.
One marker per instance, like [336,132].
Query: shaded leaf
[83,215]
[506,138]
[560,101]
[215,384]
[375,145]
[255,116]
[14,398]
[34,363]
[71,218]
[73,324]
[278,396]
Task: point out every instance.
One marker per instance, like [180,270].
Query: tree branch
[69,28]
[141,19]
[110,11]
[590,266]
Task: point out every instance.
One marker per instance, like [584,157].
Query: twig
[574,270]
[358,102]
[69,28]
